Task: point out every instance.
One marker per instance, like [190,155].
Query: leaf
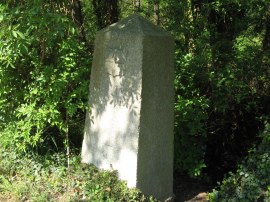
[72,30]
[14,33]
[21,35]
[10,64]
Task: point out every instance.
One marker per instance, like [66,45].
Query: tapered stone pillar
[129,126]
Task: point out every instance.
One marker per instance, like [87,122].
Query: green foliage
[221,82]
[105,186]
[47,178]
[251,180]
[191,114]
[44,74]
[221,66]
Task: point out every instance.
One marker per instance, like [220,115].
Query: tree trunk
[266,40]
[77,16]
[106,12]
[156,12]
[137,5]
[222,32]
[196,7]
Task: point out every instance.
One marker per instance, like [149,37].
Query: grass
[32,177]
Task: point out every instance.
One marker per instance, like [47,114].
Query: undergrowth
[251,182]
[47,178]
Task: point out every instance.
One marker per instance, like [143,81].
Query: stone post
[129,127]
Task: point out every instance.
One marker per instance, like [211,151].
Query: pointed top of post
[136,24]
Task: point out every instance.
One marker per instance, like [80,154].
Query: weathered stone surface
[130,125]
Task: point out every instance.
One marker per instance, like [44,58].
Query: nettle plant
[44,75]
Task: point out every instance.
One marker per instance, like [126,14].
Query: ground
[190,190]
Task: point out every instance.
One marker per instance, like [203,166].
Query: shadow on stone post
[130,125]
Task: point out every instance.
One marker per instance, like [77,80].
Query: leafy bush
[44,75]
[251,182]
[190,118]
[222,74]
[222,82]
[47,178]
